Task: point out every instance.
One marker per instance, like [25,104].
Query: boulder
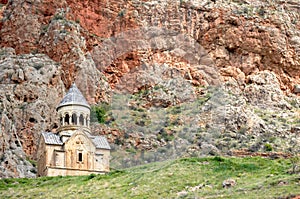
[228,183]
[296,88]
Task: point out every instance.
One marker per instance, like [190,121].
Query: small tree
[98,113]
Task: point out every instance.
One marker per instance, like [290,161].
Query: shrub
[218,159]
[91,176]
[122,13]
[98,113]
[58,17]
[261,12]
[268,147]
[33,162]
[164,135]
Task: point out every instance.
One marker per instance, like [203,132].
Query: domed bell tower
[74,114]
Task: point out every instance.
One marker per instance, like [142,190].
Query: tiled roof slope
[100,142]
[51,138]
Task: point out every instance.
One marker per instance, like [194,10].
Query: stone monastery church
[72,150]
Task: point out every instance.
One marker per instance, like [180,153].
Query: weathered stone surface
[237,35]
[264,89]
[30,90]
[91,81]
[297,88]
[13,159]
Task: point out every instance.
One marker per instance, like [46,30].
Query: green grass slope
[183,178]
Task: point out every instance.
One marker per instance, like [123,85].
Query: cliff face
[164,53]
[249,35]
[30,88]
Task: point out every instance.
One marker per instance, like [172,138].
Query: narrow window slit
[80,157]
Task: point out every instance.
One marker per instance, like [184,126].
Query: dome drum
[73,110]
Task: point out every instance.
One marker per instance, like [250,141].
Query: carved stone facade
[73,150]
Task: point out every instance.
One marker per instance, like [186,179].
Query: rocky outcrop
[13,159]
[251,36]
[297,88]
[263,89]
[63,42]
[255,117]
[31,87]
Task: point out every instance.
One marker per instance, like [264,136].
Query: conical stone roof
[73,97]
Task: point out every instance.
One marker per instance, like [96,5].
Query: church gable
[80,151]
[80,140]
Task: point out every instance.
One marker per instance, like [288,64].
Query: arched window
[74,119]
[87,121]
[81,120]
[67,118]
